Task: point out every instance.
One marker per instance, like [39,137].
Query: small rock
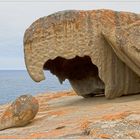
[20,112]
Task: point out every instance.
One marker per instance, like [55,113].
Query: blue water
[14,83]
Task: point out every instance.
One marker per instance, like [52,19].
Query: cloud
[17,16]
[13,63]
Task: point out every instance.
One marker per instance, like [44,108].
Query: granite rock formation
[98,51]
[20,112]
[64,115]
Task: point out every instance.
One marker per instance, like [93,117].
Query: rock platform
[66,115]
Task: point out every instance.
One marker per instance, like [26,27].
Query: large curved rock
[97,51]
[20,112]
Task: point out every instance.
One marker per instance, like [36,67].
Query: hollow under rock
[81,73]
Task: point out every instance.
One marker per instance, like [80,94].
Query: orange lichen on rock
[37,135]
[104,136]
[20,112]
[117,116]
[7,113]
[84,124]
[85,47]
[50,134]
[8,137]
[58,113]
[58,95]
[70,116]
[95,132]
[134,134]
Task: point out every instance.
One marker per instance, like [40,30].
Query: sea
[14,83]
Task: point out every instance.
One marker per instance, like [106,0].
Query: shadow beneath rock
[97,100]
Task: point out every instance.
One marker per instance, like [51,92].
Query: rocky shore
[66,115]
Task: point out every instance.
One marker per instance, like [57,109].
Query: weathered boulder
[97,50]
[20,112]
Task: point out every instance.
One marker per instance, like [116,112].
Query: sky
[17,16]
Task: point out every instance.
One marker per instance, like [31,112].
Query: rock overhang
[60,27]
[71,34]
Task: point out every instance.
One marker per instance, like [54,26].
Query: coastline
[66,115]
[17,82]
